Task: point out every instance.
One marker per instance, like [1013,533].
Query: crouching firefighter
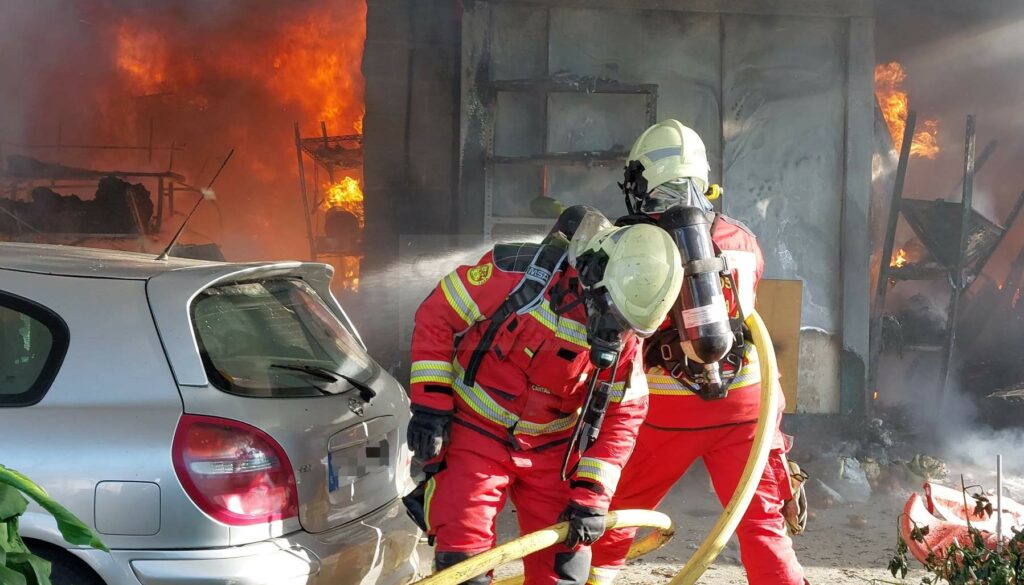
[702,367]
[505,354]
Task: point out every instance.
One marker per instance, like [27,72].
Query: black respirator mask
[641,200]
[606,327]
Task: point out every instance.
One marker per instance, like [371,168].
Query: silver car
[212,422]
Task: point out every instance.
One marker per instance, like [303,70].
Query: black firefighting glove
[586,525]
[428,432]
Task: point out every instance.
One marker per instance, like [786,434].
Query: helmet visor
[590,226]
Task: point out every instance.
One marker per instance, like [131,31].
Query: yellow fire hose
[715,540]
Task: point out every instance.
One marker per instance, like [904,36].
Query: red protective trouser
[661,457]
[463,501]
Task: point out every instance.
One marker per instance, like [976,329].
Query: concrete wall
[410,64]
[411,154]
[782,94]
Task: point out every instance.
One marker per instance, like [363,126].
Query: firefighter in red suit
[684,422]
[502,354]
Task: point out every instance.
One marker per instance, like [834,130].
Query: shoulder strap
[539,274]
[527,295]
[514,257]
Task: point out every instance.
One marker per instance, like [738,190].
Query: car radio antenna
[207,194]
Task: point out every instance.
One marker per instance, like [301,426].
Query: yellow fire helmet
[669,151]
[635,272]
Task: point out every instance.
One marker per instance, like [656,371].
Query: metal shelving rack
[959,253]
[335,155]
[545,158]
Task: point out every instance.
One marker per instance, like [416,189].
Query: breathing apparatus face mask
[607,329]
[673,194]
[640,199]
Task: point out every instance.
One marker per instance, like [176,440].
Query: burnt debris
[118,207]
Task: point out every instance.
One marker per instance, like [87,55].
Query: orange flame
[312,61]
[348,195]
[348,272]
[142,56]
[874,395]
[314,66]
[899,260]
[892,99]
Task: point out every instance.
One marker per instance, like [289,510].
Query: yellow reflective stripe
[528,351]
[618,392]
[750,373]
[563,327]
[633,388]
[526,427]
[481,402]
[459,299]
[428,495]
[604,473]
[665,385]
[602,576]
[545,315]
[431,371]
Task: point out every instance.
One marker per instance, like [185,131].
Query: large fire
[208,79]
[347,195]
[204,77]
[312,61]
[892,99]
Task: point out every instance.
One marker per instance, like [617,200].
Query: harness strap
[716,264]
[664,350]
[527,295]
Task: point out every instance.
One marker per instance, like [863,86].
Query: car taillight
[234,472]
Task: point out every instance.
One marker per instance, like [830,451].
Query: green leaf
[10,540]
[35,569]
[9,577]
[71,528]
[12,503]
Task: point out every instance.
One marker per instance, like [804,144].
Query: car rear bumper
[379,548]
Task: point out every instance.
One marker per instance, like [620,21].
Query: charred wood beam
[957,278]
[986,153]
[878,307]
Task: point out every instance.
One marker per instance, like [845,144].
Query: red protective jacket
[676,406]
[531,384]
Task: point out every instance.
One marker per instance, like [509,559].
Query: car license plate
[347,466]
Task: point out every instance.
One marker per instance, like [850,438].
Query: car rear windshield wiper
[365,392]
[315,371]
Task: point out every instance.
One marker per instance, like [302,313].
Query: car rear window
[276,338]
[33,341]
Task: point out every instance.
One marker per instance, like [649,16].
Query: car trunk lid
[268,345]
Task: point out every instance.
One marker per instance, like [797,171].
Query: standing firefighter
[505,354]
[702,368]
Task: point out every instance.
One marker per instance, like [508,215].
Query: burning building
[434,119]
[173,88]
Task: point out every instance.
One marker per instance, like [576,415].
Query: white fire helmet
[675,165]
[637,272]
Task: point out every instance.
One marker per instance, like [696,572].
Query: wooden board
[778,303]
